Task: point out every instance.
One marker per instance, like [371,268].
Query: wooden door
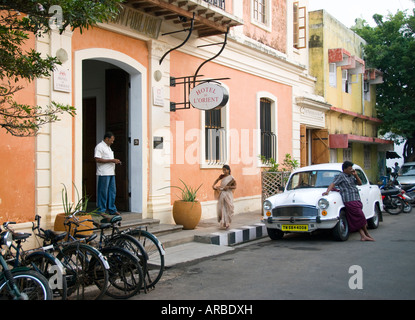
[116,92]
[320,151]
[303,146]
[89,127]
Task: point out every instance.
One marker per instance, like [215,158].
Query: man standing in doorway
[104,157]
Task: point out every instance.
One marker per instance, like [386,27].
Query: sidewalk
[208,240]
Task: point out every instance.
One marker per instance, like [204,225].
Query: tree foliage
[19,19]
[391,49]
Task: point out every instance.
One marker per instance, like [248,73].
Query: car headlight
[323,203]
[267,205]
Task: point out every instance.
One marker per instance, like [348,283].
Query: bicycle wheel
[31,284]
[52,269]
[155,252]
[125,274]
[134,246]
[86,271]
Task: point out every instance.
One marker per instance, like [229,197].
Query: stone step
[168,234]
[234,236]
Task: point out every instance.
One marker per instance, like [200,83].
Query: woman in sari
[225,201]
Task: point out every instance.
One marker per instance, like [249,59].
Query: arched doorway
[109,87]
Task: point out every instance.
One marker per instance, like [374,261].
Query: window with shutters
[333,75]
[299,26]
[347,154]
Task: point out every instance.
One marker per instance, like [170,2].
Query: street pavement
[302,267]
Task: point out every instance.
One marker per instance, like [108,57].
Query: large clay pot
[60,226]
[187,214]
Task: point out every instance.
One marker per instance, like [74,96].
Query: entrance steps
[246,227]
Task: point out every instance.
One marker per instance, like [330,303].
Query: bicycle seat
[87,237]
[390,192]
[111,220]
[21,235]
[54,236]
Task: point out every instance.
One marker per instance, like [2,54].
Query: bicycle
[20,283]
[39,260]
[125,272]
[151,244]
[86,269]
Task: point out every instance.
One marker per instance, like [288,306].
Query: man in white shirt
[106,191]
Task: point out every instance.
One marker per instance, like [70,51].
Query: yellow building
[349,86]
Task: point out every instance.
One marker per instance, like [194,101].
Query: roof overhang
[341,141]
[209,19]
[340,56]
[374,76]
[343,58]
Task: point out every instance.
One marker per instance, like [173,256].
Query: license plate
[295,227]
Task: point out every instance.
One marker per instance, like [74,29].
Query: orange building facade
[122,77]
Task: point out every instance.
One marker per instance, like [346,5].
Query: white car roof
[324,166]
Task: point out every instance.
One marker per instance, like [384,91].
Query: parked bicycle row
[80,264]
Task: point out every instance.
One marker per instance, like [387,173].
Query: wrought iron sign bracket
[225,41]
[189,82]
[190,30]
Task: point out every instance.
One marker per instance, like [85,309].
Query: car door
[364,191]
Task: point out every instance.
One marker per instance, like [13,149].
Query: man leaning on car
[346,182]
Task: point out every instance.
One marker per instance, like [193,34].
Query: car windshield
[408,170]
[312,179]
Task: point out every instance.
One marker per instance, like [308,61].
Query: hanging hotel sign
[208,96]
[139,21]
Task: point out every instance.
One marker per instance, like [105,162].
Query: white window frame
[346,81]
[333,75]
[267,26]
[274,121]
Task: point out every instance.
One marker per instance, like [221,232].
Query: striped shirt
[347,185]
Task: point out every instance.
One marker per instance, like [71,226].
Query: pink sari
[225,203]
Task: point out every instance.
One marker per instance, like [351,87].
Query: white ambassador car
[301,207]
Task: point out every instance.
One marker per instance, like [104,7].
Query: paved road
[303,267]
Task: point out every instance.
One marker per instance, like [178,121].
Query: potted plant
[79,208]
[187,211]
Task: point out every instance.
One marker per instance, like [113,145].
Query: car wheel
[341,230]
[373,222]
[275,234]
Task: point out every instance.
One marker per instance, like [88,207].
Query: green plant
[188,194]
[79,206]
[289,164]
[271,163]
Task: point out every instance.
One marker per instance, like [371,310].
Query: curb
[234,236]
